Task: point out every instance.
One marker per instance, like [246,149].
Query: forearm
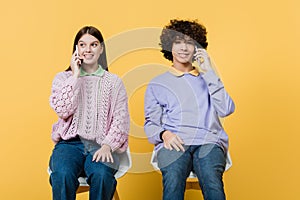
[153,113]
[64,94]
[221,100]
[153,132]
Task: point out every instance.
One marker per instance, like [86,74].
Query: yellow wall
[255,45]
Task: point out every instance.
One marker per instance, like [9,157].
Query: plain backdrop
[255,45]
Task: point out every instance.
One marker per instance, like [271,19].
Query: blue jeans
[71,159]
[207,161]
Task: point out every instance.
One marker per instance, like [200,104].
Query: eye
[177,41]
[95,44]
[81,45]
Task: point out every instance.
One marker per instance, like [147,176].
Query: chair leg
[116,196]
[82,189]
[192,183]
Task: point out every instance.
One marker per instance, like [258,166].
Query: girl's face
[89,49]
[183,50]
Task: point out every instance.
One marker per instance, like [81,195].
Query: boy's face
[183,50]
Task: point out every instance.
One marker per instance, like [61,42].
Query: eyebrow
[91,42]
[186,40]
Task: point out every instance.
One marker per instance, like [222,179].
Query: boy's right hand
[172,140]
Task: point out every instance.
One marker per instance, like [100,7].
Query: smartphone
[199,60]
[77,54]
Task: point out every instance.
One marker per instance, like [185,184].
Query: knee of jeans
[175,176]
[213,180]
[101,177]
[62,176]
[102,174]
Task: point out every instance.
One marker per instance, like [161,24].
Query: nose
[87,48]
[183,46]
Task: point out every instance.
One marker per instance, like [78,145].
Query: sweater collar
[178,73]
[98,72]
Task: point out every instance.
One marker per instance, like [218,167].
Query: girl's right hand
[75,63]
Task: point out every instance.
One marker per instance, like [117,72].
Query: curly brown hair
[181,28]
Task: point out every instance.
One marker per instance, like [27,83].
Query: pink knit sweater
[92,107]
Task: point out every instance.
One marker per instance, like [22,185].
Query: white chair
[192,181]
[125,165]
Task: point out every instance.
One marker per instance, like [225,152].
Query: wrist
[76,74]
[161,134]
[106,146]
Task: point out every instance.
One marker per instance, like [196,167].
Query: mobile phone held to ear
[77,54]
[200,60]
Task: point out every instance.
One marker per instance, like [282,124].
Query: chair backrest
[125,163]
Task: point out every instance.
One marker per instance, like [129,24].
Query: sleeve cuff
[160,135]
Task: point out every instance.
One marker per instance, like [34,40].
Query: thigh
[209,162]
[92,167]
[67,157]
[176,162]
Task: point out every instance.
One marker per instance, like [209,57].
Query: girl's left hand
[203,59]
[103,154]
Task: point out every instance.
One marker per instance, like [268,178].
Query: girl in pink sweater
[93,125]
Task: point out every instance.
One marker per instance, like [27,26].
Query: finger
[181,148]
[168,146]
[78,61]
[110,158]
[180,140]
[199,58]
[174,145]
[94,157]
[179,143]
[107,158]
[98,158]
[103,158]
[165,145]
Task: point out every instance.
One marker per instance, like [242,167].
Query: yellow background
[255,45]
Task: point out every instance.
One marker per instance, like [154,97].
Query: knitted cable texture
[93,107]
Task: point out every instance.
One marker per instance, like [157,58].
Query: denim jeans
[207,161]
[71,159]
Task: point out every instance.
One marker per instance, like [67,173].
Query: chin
[88,62]
[185,62]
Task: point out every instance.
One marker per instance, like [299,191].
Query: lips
[183,55]
[88,56]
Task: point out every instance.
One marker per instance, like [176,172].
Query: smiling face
[183,51]
[89,49]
